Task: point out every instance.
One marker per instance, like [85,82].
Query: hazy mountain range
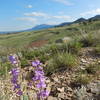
[45,26]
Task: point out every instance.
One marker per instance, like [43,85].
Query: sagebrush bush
[80,93]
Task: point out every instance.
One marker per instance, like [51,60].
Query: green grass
[97,50]
[82,79]
[93,68]
[61,61]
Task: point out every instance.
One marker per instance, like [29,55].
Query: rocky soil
[61,85]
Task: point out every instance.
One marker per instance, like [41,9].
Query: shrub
[82,79]
[24,63]
[97,50]
[5,68]
[90,40]
[51,67]
[44,58]
[87,40]
[93,68]
[80,93]
[74,47]
[66,60]
[31,54]
[61,61]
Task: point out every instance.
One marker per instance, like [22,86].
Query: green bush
[87,40]
[51,67]
[5,68]
[31,54]
[93,68]
[97,50]
[61,61]
[44,58]
[82,79]
[74,47]
[24,63]
[90,40]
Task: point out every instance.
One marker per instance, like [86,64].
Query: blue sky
[24,14]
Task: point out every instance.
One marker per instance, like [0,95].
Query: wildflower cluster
[39,80]
[15,73]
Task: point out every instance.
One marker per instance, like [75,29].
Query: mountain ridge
[46,26]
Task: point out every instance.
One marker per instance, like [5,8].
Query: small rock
[61,95]
[83,60]
[51,98]
[60,89]
[47,81]
[69,89]
[56,80]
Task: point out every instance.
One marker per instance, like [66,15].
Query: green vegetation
[93,68]
[97,50]
[82,79]
[49,36]
[24,63]
[61,61]
[5,68]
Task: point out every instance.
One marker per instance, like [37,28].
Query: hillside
[24,39]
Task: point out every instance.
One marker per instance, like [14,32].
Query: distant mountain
[63,24]
[45,26]
[40,27]
[80,20]
[97,17]
[69,23]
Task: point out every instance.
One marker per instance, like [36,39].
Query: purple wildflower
[13,59]
[40,79]
[37,72]
[43,94]
[15,71]
[17,86]
[41,85]
[36,63]
[19,93]
[14,80]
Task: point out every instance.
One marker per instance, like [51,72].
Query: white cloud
[64,17]
[47,16]
[92,12]
[65,2]
[29,6]
[37,14]
[29,19]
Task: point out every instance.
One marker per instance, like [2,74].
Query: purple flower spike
[39,80]
[44,94]
[17,86]
[14,80]
[13,59]
[19,93]
[15,71]
[37,72]
[36,63]
[41,85]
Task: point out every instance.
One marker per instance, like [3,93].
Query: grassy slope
[25,38]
